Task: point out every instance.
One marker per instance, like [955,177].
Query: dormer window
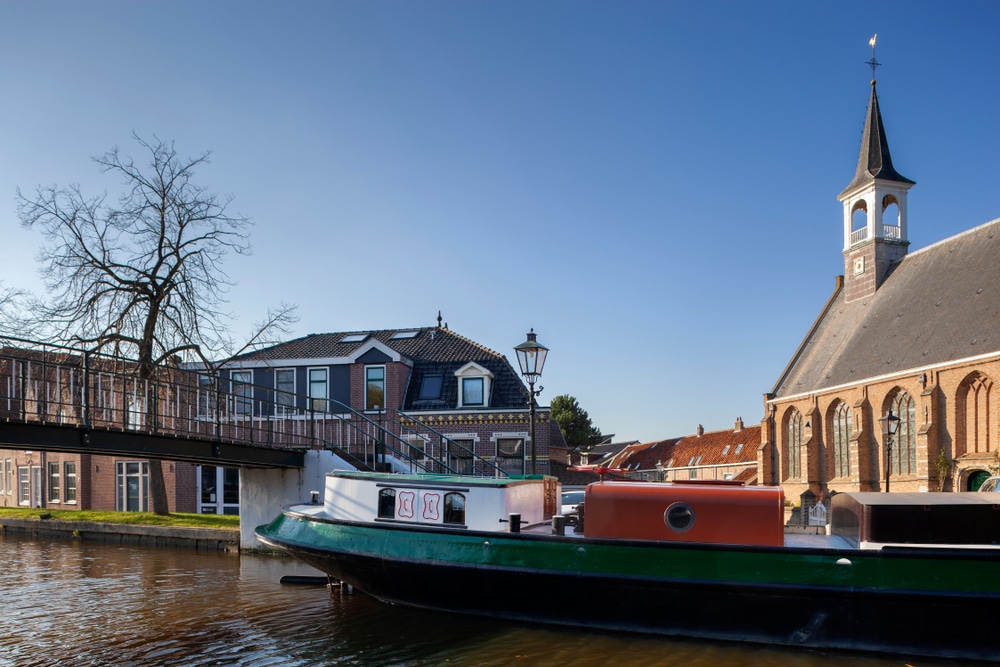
[473,386]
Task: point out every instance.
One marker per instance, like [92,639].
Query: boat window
[454,508]
[679,517]
[387,504]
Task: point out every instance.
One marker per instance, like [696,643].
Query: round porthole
[679,517]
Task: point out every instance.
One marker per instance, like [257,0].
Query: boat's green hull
[933,602]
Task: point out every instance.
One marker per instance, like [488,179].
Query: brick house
[917,334]
[729,454]
[417,399]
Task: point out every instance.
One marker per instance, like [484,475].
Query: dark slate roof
[874,160]
[939,304]
[432,350]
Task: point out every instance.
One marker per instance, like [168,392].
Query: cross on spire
[873,63]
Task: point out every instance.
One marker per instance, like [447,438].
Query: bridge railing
[57,385]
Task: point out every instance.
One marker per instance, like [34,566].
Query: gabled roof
[711,448]
[939,304]
[430,350]
[874,160]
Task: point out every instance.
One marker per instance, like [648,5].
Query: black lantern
[890,423]
[531,359]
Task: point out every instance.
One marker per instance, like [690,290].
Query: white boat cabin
[439,500]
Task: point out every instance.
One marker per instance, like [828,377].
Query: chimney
[739,425]
[701,430]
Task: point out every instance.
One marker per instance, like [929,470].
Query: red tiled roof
[712,448]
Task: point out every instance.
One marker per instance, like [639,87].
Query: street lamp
[531,359]
[889,425]
[659,469]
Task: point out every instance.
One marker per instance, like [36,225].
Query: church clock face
[859,266]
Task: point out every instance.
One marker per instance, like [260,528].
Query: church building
[892,387]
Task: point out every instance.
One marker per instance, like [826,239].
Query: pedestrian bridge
[63,399]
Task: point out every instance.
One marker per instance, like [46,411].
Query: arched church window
[904,444]
[794,444]
[841,439]
[973,411]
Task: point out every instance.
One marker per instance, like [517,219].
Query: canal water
[65,602]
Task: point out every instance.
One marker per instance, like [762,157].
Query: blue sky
[651,186]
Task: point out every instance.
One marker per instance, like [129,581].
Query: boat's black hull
[929,624]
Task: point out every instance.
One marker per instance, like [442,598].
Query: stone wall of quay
[202,539]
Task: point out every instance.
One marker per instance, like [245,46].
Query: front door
[36,486]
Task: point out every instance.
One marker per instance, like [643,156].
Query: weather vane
[874,63]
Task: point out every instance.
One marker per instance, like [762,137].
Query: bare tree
[142,278]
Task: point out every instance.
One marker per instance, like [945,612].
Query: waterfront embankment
[202,539]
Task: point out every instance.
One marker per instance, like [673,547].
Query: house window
[132,486]
[54,479]
[473,385]
[284,388]
[10,477]
[725,450]
[472,391]
[23,486]
[795,444]
[3,478]
[510,455]
[387,504]
[841,440]
[317,389]
[460,455]
[69,470]
[374,387]
[430,387]
[242,391]
[206,396]
[454,508]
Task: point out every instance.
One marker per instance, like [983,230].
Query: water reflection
[65,602]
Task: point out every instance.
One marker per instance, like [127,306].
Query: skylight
[725,450]
[353,338]
[405,334]
[738,448]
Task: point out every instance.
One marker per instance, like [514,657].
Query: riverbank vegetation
[138,518]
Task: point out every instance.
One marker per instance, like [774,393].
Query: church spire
[874,160]
[875,228]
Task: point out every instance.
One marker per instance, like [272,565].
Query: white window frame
[284,401]
[121,485]
[54,490]
[69,488]
[369,406]
[24,485]
[318,400]
[472,371]
[242,389]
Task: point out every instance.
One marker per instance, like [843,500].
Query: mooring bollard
[558,524]
[515,522]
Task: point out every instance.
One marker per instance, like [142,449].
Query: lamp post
[531,359]
[659,469]
[889,425]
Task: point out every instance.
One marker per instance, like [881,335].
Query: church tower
[874,209]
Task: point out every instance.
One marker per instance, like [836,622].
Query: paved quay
[202,539]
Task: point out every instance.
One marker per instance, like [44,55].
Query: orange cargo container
[685,512]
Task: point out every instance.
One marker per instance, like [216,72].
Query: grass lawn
[141,518]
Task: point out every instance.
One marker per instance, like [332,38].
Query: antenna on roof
[874,63]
